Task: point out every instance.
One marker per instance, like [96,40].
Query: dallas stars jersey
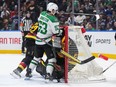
[48,25]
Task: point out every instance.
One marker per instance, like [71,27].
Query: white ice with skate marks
[8,62]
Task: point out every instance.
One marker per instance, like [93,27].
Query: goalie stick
[107,68]
[77,60]
[69,56]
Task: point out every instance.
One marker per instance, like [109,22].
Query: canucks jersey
[48,25]
[33,31]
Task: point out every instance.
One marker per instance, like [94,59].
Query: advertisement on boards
[10,41]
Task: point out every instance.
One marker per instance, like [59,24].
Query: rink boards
[99,42]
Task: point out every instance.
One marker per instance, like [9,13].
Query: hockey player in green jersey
[48,26]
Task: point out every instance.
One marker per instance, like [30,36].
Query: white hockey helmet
[52,7]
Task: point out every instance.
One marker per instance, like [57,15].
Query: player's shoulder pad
[36,23]
[52,18]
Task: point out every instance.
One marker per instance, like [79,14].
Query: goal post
[66,59]
[76,46]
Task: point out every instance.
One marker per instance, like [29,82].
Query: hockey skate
[49,77]
[28,74]
[16,74]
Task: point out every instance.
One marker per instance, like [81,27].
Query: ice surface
[8,62]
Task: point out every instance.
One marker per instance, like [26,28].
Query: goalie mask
[53,8]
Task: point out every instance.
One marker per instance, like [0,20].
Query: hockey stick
[107,68]
[77,60]
[69,56]
[72,62]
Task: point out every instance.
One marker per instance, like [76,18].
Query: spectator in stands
[109,27]
[63,6]
[82,8]
[89,26]
[71,20]
[5,14]
[69,7]
[62,18]
[109,19]
[108,10]
[114,26]
[107,7]
[2,2]
[114,15]
[79,19]
[5,24]
[102,21]
[14,11]
[88,6]
[14,24]
[41,4]
[1,23]
[24,9]
[34,10]
[12,6]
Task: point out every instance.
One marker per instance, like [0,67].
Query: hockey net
[76,45]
